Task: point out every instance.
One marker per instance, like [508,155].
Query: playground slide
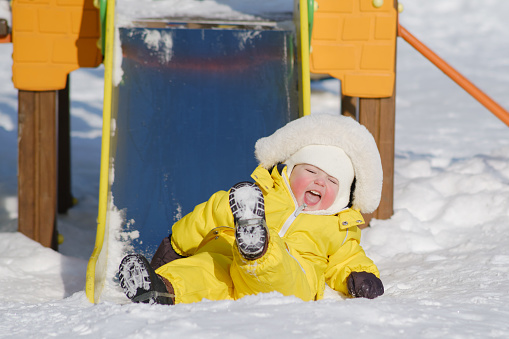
[183,109]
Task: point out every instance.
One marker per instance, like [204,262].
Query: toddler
[293,230]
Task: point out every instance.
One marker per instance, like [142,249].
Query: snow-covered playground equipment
[169,151]
[185,103]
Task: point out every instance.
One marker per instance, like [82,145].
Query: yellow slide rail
[304,54]
[105,151]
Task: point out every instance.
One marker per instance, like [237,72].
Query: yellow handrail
[304,53]
[105,151]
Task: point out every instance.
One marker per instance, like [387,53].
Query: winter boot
[141,283]
[251,232]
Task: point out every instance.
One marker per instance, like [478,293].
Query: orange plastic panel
[355,42]
[51,38]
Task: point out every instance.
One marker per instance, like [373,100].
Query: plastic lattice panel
[51,38]
[355,42]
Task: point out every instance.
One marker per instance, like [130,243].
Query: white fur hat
[333,130]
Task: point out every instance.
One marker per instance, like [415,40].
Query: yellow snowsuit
[305,251]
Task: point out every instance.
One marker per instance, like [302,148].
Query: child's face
[314,187]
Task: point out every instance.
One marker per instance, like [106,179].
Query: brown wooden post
[386,145]
[378,115]
[4,30]
[37,166]
[65,200]
[349,106]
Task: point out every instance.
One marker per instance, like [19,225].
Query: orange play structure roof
[355,42]
[50,39]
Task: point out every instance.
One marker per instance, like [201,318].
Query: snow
[210,9]
[443,256]
[247,199]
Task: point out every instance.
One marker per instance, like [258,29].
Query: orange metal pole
[479,95]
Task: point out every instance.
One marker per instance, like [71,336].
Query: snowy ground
[443,256]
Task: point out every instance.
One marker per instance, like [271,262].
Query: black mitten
[365,285]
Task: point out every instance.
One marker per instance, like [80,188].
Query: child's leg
[206,274]
[261,260]
[202,276]
[164,254]
[213,274]
[277,271]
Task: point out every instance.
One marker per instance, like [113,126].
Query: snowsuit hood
[334,130]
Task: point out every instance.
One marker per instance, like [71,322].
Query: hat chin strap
[341,202]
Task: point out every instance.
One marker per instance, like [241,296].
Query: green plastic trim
[311,12]
[102,14]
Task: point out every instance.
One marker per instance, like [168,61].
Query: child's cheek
[329,198]
[298,189]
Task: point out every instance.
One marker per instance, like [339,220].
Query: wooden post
[65,200]
[378,115]
[349,106]
[4,31]
[386,145]
[37,166]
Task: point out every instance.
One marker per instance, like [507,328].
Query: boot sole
[140,283]
[248,208]
[246,201]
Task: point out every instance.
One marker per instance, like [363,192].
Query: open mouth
[312,197]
